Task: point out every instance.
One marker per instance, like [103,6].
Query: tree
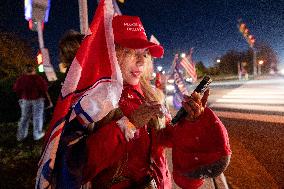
[200,69]
[266,53]
[14,54]
[229,62]
[213,70]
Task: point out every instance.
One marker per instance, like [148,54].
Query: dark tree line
[228,64]
[14,54]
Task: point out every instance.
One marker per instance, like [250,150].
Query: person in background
[68,46]
[32,91]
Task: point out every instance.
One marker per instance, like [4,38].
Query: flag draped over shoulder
[189,66]
[91,89]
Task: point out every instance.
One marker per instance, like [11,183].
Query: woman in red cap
[126,150]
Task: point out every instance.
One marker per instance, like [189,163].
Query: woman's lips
[136,73]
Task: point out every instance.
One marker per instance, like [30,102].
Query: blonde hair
[152,93]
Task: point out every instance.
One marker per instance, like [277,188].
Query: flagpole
[174,62]
[83,14]
[116,8]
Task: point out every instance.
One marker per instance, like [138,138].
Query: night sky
[208,26]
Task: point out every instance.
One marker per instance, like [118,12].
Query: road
[253,113]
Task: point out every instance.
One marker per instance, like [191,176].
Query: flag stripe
[189,67]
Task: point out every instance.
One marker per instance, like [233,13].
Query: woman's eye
[127,50]
[146,54]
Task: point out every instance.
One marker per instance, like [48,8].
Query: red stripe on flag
[189,68]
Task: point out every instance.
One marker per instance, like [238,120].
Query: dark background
[208,26]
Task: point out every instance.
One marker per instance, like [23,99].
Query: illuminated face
[132,63]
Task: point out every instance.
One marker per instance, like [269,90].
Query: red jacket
[110,155]
[30,87]
[108,148]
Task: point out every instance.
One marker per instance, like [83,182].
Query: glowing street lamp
[259,66]
[182,55]
[218,60]
[159,68]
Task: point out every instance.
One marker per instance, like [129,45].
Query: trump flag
[91,88]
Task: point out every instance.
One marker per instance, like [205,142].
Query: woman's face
[132,63]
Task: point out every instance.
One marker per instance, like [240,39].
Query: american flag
[91,88]
[189,66]
[179,84]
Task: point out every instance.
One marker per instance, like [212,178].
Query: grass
[18,160]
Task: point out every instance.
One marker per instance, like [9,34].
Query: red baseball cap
[129,32]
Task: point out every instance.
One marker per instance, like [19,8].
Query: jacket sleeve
[105,147]
[165,135]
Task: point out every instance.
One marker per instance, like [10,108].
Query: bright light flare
[188,79]
[40,68]
[171,81]
[170,88]
[260,62]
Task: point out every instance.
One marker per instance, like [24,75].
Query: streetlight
[182,55]
[36,13]
[250,40]
[218,60]
[259,66]
[159,68]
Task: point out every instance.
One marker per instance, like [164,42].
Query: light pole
[36,13]
[259,66]
[251,41]
[254,62]
[83,14]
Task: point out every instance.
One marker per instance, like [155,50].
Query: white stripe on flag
[153,39]
[189,68]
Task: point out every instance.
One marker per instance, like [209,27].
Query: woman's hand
[194,105]
[145,113]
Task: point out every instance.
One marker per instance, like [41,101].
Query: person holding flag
[110,129]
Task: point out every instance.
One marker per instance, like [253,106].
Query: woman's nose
[140,59]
